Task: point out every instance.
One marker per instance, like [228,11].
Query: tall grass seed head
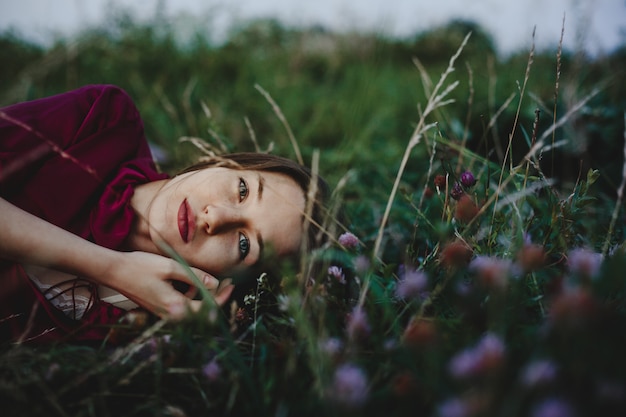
[466,209]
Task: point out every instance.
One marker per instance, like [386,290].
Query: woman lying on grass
[89,226]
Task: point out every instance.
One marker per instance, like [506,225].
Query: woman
[88,222]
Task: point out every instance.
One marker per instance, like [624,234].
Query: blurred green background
[356,97]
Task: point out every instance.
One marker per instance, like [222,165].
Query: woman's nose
[218,219]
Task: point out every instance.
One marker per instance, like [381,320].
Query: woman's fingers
[221,291]
[179,309]
[208,280]
[224,291]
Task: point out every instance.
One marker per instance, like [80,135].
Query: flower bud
[457,191]
[466,209]
[467,179]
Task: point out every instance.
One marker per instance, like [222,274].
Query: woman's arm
[142,277]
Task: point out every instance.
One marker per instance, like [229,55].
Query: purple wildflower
[487,355]
[467,179]
[212,370]
[538,372]
[332,346]
[457,191]
[361,264]
[412,284]
[492,272]
[553,407]
[52,370]
[348,240]
[454,407]
[337,273]
[349,386]
[358,325]
[584,262]
[390,345]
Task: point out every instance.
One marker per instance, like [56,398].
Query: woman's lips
[186,221]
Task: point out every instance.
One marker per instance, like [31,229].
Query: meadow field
[475,262]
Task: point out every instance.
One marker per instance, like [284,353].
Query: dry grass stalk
[435,101]
[283,120]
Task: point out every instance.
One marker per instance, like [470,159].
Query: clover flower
[404,384]
[52,370]
[466,209]
[584,262]
[456,254]
[467,179]
[531,257]
[573,308]
[337,273]
[332,346]
[492,272]
[419,332]
[349,387]
[361,264]
[486,356]
[212,370]
[412,284]
[348,240]
[358,325]
[538,372]
[553,407]
[454,407]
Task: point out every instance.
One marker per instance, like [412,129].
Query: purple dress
[72,159]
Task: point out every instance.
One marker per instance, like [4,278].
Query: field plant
[474,256]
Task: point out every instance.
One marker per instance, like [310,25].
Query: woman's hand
[146,279]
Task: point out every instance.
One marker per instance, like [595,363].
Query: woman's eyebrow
[259,192]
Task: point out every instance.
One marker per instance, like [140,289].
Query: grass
[503,296]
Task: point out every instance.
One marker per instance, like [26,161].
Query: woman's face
[219,219]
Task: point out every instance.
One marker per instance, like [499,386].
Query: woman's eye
[244,245]
[243,189]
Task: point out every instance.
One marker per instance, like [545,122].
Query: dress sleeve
[59,154]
